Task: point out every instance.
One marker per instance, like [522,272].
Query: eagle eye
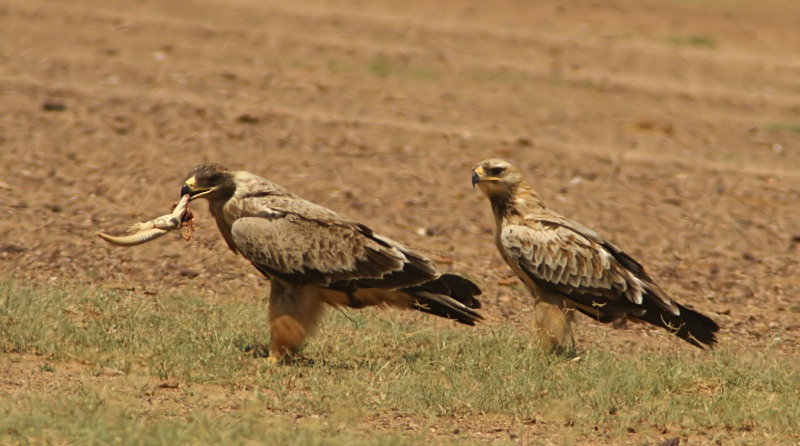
[213,179]
[495,171]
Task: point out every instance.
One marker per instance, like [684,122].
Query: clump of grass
[498,74]
[174,337]
[381,65]
[384,66]
[790,127]
[693,40]
[335,66]
[376,363]
[92,419]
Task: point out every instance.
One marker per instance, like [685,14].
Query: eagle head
[495,176]
[212,181]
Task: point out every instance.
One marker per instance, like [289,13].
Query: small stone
[190,273]
[53,105]
[525,141]
[11,248]
[247,118]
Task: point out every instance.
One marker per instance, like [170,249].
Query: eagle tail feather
[457,287]
[444,306]
[689,325]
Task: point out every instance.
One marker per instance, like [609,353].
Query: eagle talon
[139,233]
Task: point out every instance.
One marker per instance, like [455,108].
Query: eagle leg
[553,324]
[294,312]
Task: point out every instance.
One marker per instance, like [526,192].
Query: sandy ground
[673,128]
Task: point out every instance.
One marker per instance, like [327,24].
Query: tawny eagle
[315,257]
[568,267]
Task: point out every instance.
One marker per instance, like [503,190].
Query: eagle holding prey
[568,267]
[316,257]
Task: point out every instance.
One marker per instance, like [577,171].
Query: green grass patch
[97,419]
[510,76]
[381,65]
[359,366]
[174,337]
[384,66]
[693,40]
[786,127]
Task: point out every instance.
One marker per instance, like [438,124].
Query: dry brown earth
[671,127]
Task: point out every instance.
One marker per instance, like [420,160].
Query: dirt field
[673,128]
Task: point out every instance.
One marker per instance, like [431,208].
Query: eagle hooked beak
[190,188]
[477,175]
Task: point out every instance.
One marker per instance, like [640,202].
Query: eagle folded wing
[559,259]
[338,256]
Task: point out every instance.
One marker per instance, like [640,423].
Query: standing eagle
[314,256]
[568,267]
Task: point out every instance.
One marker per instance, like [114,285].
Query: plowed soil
[672,128]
